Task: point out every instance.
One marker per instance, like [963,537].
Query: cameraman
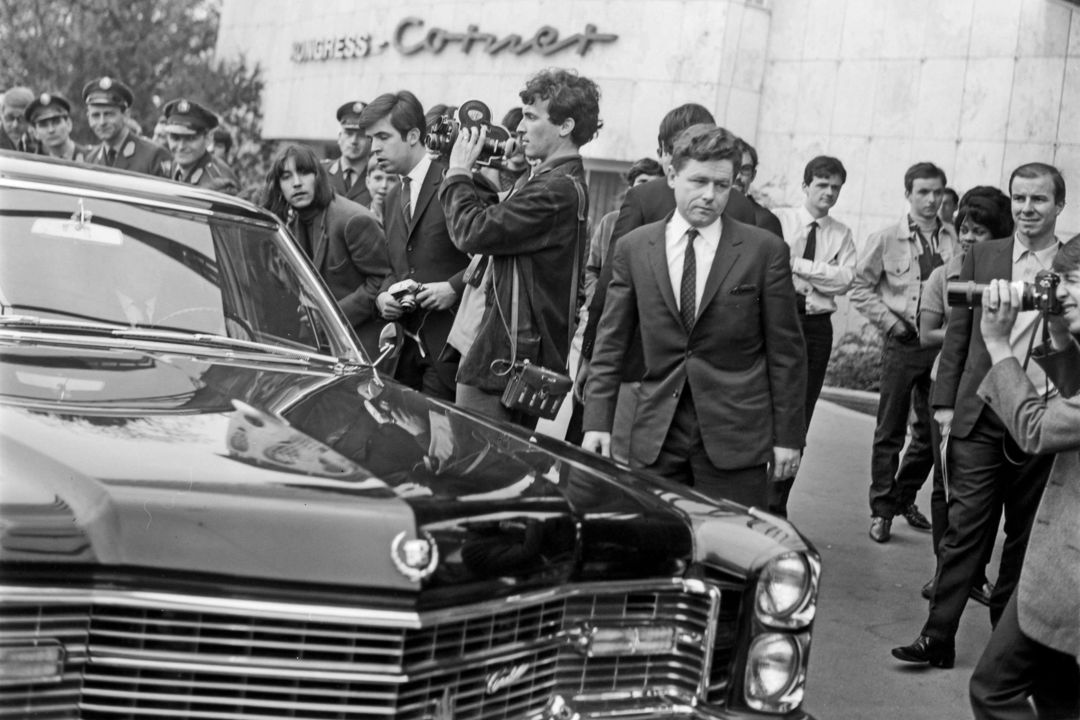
[1034,649]
[985,469]
[536,232]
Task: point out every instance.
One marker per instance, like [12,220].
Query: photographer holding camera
[1034,649]
[985,468]
[534,238]
[426,282]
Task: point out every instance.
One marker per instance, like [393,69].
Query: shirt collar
[805,218]
[710,233]
[1044,256]
[419,171]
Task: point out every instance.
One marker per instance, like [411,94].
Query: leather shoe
[928,589]
[916,519]
[939,653]
[880,528]
[981,592]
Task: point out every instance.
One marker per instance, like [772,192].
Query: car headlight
[775,676]
[786,595]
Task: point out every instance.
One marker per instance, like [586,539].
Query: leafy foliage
[162,49]
[855,362]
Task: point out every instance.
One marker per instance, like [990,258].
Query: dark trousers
[425,373]
[1013,667]
[818,333]
[986,472]
[683,459]
[939,509]
[905,384]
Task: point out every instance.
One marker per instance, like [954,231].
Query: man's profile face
[822,193]
[187,149]
[925,197]
[539,136]
[107,122]
[53,131]
[14,121]
[354,143]
[1068,293]
[394,152]
[746,174]
[701,189]
[1033,207]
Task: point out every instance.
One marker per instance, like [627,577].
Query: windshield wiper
[222,341]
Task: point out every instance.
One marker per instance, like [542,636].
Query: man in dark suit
[643,204]
[744,177]
[347,173]
[725,366]
[419,242]
[107,102]
[985,466]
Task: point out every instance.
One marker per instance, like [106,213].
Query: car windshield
[88,261]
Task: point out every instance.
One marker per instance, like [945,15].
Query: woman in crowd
[985,213]
[343,239]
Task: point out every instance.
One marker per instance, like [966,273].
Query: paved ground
[870,598]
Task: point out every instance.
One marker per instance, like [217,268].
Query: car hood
[137,460]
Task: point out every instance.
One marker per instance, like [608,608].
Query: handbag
[531,388]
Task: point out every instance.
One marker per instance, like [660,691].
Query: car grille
[152,656]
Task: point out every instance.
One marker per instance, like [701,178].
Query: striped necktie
[406,197]
[688,287]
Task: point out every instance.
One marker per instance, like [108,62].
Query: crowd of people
[704,322]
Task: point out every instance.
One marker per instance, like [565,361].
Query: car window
[104,261]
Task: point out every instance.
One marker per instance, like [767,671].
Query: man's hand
[943,417]
[437,296]
[1000,306]
[901,331]
[388,307]
[785,462]
[467,147]
[579,381]
[597,442]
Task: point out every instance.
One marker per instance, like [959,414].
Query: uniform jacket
[744,359]
[349,253]
[209,172]
[644,204]
[79,153]
[887,284]
[540,225]
[1048,600]
[421,249]
[138,155]
[358,193]
[964,362]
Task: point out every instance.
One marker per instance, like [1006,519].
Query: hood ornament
[416,559]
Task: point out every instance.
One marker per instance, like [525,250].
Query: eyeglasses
[12,117]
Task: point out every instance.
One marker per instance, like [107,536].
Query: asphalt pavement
[870,599]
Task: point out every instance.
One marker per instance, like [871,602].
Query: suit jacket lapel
[318,238]
[658,261]
[427,192]
[727,252]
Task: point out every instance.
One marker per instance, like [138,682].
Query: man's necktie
[688,288]
[808,254]
[406,197]
[347,176]
[110,156]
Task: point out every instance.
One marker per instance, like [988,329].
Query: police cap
[46,106]
[106,91]
[184,117]
[349,114]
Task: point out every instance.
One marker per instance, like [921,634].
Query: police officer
[107,108]
[187,125]
[50,116]
[348,172]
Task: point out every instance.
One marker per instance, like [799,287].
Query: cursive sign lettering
[410,39]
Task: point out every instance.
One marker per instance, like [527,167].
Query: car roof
[16,166]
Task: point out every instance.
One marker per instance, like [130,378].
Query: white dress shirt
[1025,265]
[704,253]
[416,179]
[832,270]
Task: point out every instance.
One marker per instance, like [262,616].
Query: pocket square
[743,289]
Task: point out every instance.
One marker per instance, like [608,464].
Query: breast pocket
[897,263]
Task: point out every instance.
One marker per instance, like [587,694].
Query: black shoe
[916,519]
[880,528]
[981,592]
[939,653]
[928,589]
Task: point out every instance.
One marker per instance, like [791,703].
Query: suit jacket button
[409,247]
[675,393]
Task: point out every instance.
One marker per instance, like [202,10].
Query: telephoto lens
[1040,295]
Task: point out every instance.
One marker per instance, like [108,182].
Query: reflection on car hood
[133,460]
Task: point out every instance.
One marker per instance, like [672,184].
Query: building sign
[411,38]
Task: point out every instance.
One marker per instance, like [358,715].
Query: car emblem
[105,83]
[415,559]
[183,107]
[505,677]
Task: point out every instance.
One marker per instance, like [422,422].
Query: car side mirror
[391,338]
